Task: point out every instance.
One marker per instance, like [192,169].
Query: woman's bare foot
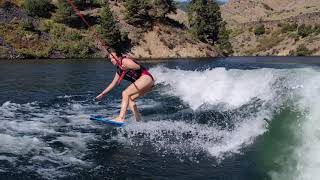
[118,119]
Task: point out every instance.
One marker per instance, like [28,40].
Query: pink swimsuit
[132,75]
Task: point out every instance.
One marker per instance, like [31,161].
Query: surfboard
[108,121]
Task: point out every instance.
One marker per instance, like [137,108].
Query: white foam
[72,141]
[7,108]
[242,136]
[307,154]
[6,158]
[301,87]
[185,138]
[224,89]
[178,137]
[18,145]
[23,127]
[232,88]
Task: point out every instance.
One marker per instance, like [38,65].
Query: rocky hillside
[242,11]
[290,27]
[169,40]
[23,36]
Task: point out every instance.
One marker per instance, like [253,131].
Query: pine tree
[207,25]
[145,12]
[109,29]
[204,19]
[137,12]
[64,10]
[223,40]
[83,4]
[162,7]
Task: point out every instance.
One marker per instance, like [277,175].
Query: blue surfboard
[100,118]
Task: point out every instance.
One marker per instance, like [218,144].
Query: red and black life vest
[130,74]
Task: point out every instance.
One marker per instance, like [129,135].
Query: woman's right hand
[99,97]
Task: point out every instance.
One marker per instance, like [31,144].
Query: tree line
[205,21]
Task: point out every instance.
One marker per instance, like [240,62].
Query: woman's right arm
[109,87]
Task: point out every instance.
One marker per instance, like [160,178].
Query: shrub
[259,30]
[266,43]
[294,36]
[288,27]
[101,2]
[267,7]
[316,29]
[304,30]
[55,29]
[302,50]
[73,35]
[46,25]
[26,25]
[5,3]
[79,50]
[40,8]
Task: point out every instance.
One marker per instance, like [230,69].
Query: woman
[142,82]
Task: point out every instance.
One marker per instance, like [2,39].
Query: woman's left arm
[128,63]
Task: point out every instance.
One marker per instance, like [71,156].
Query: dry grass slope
[164,40]
[243,16]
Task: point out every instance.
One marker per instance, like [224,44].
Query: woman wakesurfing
[128,69]
[141,82]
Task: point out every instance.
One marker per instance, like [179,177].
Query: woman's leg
[134,109]
[139,85]
[132,104]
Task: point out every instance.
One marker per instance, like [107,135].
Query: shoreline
[239,59]
[148,60]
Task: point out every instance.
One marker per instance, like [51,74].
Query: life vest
[130,74]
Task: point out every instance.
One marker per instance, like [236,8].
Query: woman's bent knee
[125,94]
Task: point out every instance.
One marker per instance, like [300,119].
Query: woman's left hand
[99,97]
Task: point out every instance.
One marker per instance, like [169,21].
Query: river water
[238,118]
